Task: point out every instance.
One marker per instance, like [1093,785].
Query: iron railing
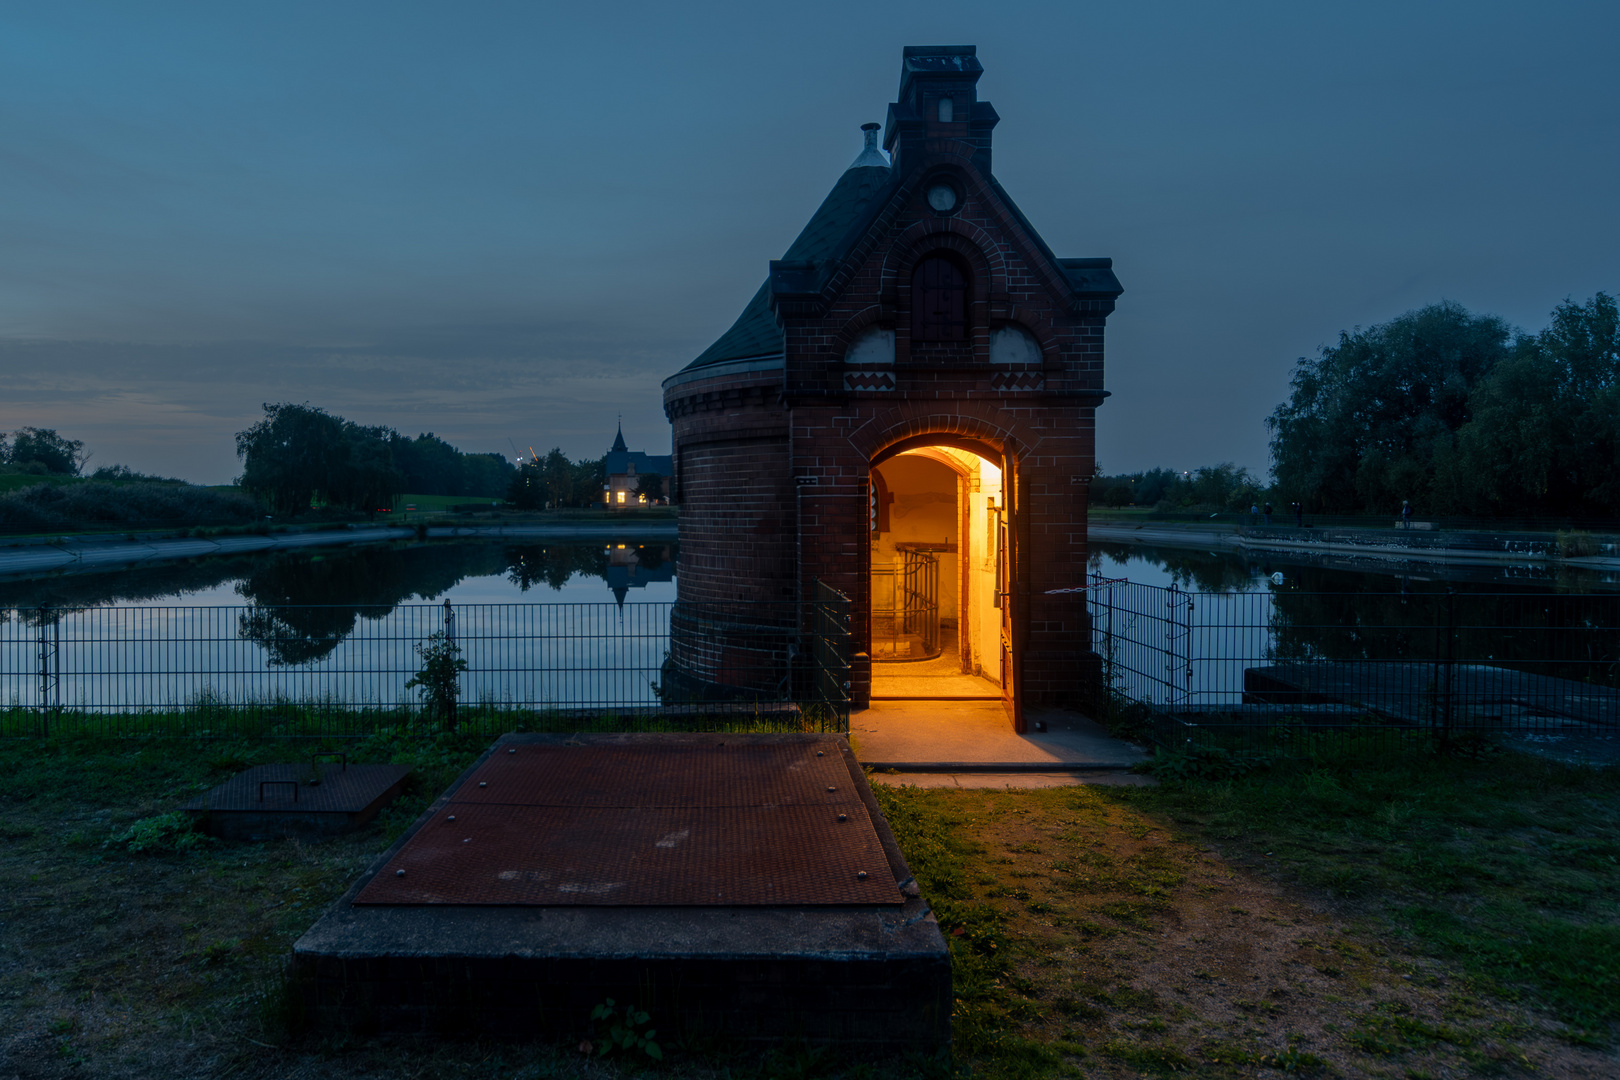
[905,606]
[1530,667]
[342,670]
[831,650]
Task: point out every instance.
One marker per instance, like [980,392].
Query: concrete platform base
[875,975]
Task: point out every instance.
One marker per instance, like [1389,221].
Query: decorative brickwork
[773,400]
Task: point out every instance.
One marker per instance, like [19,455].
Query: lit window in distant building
[621,496]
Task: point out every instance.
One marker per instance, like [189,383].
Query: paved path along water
[76,554]
[1387,544]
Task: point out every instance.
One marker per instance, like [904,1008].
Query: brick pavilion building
[905,411]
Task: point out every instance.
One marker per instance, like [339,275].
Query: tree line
[300,455]
[1455,412]
[1214,487]
[1460,414]
[41,452]
[554,481]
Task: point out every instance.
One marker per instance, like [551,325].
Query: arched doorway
[941,559]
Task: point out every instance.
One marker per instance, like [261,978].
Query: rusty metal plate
[661,775]
[573,856]
[286,788]
[654,825]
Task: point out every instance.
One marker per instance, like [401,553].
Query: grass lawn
[1432,917]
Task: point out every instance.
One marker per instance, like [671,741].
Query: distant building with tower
[623,470]
[905,411]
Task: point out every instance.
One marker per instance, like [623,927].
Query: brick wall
[741,439]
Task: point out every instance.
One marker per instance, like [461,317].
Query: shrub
[1576,544]
[162,832]
[437,681]
[46,507]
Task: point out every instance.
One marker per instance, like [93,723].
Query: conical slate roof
[755,333]
[618,442]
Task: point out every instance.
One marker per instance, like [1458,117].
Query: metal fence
[1532,667]
[344,670]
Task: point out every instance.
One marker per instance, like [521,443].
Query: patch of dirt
[1152,953]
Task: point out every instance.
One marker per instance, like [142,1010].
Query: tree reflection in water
[303,606]
[1565,635]
[554,564]
[1555,620]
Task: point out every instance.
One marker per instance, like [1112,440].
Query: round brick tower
[918,309]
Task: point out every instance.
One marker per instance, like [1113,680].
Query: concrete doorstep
[1019,781]
[931,742]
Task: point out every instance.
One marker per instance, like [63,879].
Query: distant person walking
[1267,512]
[1254,513]
[1299,516]
[1406,514]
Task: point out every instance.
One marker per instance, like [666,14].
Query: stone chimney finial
[871,156]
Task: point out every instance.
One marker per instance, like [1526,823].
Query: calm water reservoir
[588,623]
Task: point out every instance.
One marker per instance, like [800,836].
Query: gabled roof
[755,333]
[618,463]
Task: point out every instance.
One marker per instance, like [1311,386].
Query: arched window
[939,300]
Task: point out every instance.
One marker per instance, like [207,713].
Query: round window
[942,197]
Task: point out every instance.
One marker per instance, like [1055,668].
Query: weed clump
[173,831]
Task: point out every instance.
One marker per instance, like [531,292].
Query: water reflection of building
[630,566]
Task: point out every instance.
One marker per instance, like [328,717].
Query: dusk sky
[507,223]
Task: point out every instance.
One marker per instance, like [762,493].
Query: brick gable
[743,433]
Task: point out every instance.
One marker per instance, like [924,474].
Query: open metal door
[1011,565]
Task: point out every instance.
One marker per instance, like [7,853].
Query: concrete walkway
[1421,544]
[77,555]
[1029,781]
[976,737]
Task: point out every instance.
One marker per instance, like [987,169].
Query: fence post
[450,643]
[50,667]
[1178,666]
[1447,667]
